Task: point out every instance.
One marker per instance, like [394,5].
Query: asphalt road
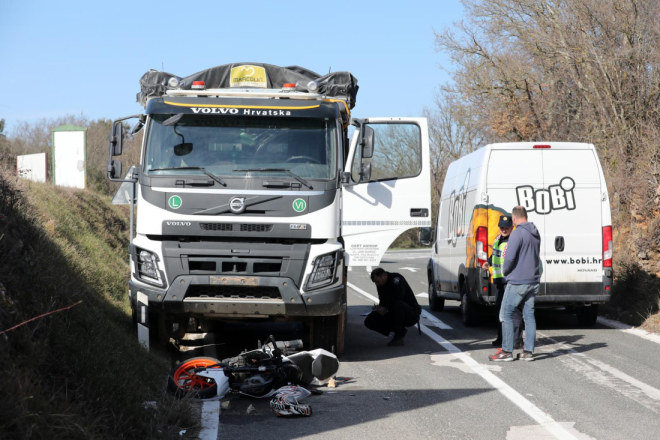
[595,383]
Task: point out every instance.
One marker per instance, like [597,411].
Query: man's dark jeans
[400,316]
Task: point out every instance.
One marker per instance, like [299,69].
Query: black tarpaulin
[338,85]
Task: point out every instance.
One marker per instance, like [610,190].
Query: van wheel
[327,332]
[468,309]
[587,316]
[436,304]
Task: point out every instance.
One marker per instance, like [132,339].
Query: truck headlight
[324,271]
[147,264]
[146,267]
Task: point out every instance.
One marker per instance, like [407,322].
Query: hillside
[78,373]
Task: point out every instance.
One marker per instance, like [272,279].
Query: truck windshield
[226,145]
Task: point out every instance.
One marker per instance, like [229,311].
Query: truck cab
[253,201]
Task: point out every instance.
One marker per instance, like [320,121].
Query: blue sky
[62,57]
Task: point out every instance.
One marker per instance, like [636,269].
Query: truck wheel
[436,304]
[587,316]
[134,318]
[327,332]
[469,313]
[160,330]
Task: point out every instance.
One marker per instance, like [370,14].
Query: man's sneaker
[501,356]
[397,340]
[526,356]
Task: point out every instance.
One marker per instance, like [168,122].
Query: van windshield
[226,145]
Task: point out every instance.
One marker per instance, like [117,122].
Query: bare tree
[571,70]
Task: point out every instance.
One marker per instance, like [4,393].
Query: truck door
[396,197]
[514,176]
[573,223]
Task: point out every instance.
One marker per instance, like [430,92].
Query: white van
[563,189]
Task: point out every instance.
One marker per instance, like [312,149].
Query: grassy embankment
[79,373]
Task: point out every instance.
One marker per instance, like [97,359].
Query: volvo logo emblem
[237,205]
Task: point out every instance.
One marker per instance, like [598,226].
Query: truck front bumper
[238,297]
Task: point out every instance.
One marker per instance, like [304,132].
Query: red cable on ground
[40,316]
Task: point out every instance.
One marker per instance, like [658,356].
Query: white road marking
[350,268]
[629,329]
[210,420]
[543,419]
[605,375]
[422,295]
[446,359]
[538,432]
[412,269]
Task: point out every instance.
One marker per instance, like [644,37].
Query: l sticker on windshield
[299,205]
[544,201]
[174,202]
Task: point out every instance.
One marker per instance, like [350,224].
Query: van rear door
[573,221]
[396,198]
[513,171]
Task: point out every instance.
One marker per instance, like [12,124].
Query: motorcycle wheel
[183,379]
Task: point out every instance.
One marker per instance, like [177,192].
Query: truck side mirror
[425,235]
[114,169]
[116,139]
[365,172]
[367,142]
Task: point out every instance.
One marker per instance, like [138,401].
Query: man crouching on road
[397,309]
[521,269]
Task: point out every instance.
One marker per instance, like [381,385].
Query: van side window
[397,152]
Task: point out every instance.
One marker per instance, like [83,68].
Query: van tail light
[482,245]
[607,246]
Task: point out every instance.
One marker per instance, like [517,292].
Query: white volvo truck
[253,201]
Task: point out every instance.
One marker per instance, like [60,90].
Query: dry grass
[79,373]
[652,323]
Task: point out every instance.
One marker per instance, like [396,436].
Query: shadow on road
[479,338]
[334,410]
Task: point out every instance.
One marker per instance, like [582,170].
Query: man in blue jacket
[521,269]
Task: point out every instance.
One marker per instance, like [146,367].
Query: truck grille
[256,228]
[233,292]
[217,226]
[242,227]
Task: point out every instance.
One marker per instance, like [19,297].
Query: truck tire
[469,312]
[436,304]
[587,316]
[327,332]
[134,318]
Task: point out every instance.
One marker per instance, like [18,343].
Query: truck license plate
[234,281]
